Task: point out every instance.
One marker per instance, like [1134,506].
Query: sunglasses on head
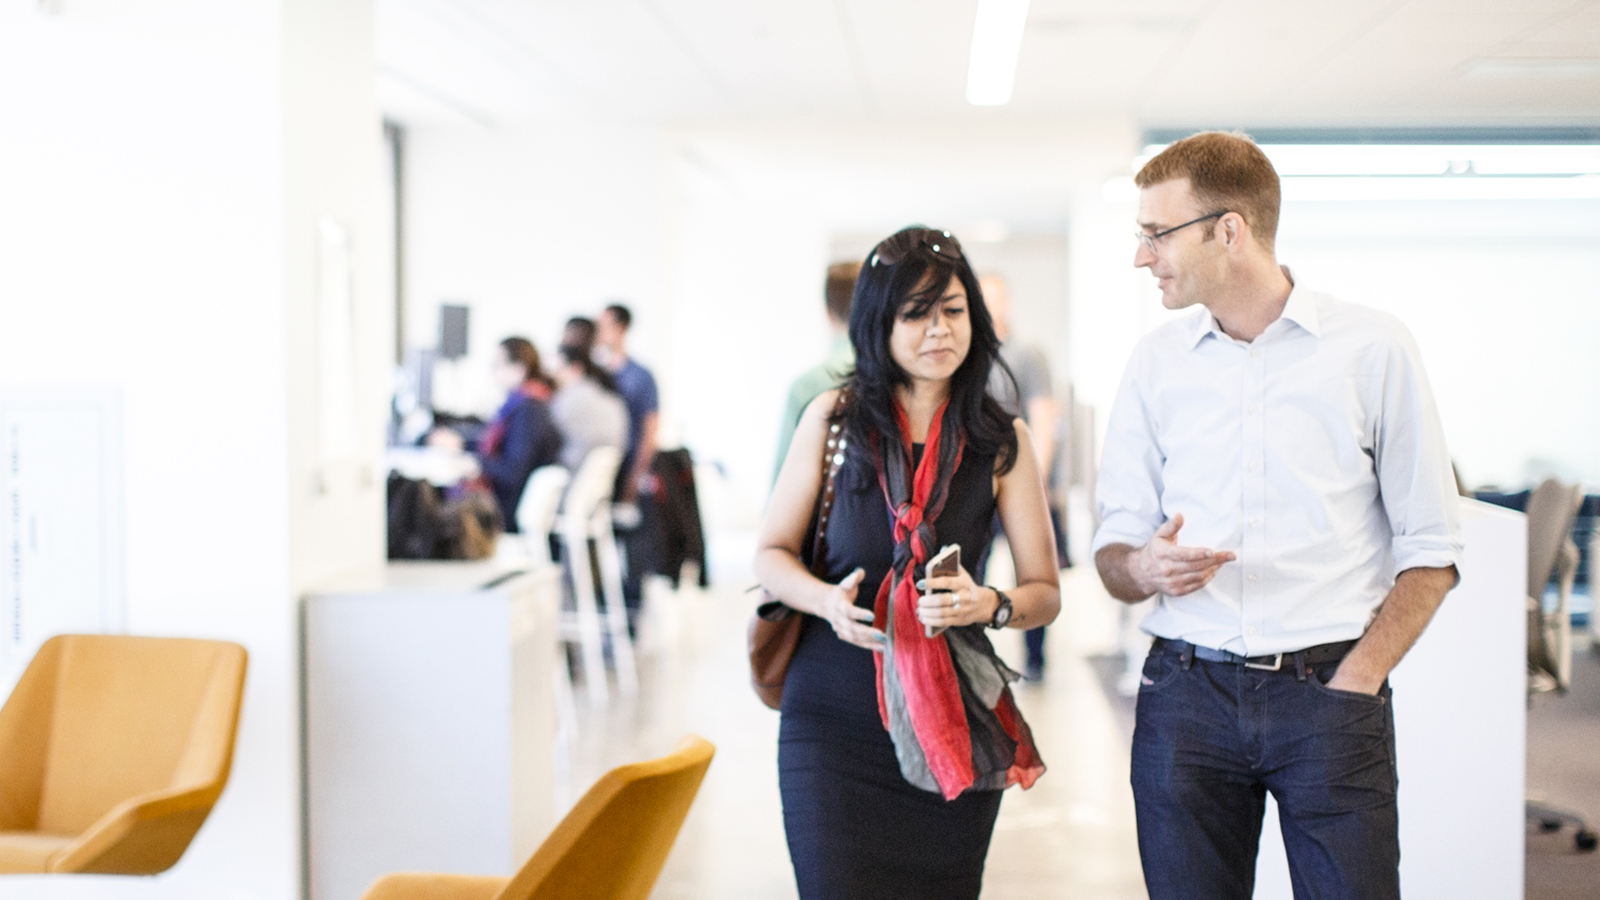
[897,247]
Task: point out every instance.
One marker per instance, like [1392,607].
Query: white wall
[718,235]
[736,222]
[162,170]
[529,226]
[764,208]
[1503,297]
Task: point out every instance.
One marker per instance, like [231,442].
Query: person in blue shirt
[638,389]
[635,484]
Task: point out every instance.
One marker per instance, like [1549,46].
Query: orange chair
[611,846]
[113,750]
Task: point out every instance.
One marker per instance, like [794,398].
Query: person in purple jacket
[521,437]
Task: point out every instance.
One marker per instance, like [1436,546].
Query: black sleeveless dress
[857,829]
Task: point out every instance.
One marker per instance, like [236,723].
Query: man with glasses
[1275,474]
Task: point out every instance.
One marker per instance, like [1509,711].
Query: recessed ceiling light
[996,42]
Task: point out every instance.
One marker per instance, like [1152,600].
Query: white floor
[1070,836]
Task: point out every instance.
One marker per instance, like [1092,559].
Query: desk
[429,723]
[1460,731]
[439,467]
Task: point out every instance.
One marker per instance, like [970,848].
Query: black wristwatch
[1002,613]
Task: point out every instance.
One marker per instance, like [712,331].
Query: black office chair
[1552,509]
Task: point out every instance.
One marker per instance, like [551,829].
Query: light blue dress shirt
[1314,453]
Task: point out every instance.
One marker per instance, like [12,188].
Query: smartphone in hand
[945,563]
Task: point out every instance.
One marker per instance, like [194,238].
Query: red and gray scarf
[945,700]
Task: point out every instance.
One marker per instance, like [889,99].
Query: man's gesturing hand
[1163,567]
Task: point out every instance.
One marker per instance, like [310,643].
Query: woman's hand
[955,600]
[839,608]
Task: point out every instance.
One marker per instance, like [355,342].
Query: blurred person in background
[521,437]
[580,332]
[893,746]
[837,287]
[638,389]
[586,406]
[635,484]
[1027,393]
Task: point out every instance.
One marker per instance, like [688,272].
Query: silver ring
[955,600]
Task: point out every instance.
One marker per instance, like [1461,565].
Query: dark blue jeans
[1212,739]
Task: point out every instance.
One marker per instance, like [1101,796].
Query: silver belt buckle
[1277,663]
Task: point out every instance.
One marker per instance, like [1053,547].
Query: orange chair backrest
[613,843]
[132,715]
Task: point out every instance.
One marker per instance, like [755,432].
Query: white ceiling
[1162,63]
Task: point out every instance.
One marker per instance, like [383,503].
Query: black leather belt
[1310,656]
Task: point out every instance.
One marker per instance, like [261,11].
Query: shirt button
[1252,577]
[1254,408]
[1252,630]
[1252,523]
[1252,466]
[1255,354]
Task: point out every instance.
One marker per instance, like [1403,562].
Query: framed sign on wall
[60,518]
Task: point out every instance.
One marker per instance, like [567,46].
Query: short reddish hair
[1225,171]
[839,287]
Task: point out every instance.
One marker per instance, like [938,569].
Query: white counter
[430,724]
[1460,709]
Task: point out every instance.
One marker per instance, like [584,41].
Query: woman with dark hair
[894,746]
[522,436]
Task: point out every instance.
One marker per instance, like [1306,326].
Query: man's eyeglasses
[898,246]
[1149,240]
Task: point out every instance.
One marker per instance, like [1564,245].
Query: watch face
[1002,616]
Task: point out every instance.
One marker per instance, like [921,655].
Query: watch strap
[1003,606]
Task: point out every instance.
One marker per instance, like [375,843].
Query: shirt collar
[1300,308]
[1204,324]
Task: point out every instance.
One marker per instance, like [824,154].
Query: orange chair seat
[610,846]
[113,750]
[28,851]
[434,886]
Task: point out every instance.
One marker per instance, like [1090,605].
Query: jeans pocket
[1319,682]
[1161,668]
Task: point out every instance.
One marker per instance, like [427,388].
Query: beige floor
[1070,836]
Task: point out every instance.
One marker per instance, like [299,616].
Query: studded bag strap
[833,453]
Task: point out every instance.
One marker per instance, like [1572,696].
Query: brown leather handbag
[775,628]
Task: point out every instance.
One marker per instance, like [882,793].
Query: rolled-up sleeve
[1415,480]
[1129,487]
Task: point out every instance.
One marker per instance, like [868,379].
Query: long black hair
[904,277]
[579,354]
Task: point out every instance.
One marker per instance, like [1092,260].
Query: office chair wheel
[1586,840]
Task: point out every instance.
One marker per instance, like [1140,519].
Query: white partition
[1460,709]
[430,724]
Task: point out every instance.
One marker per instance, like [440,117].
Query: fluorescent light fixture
[996,42]
[1581,187]
[1391,160]
[1491,67]
[1430,171]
